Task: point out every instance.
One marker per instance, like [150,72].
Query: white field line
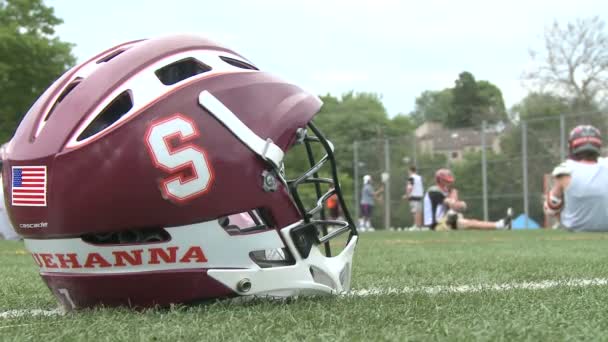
[542,285]
[432,290]
[19,325]
[30,313]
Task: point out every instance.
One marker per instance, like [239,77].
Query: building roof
[454,139]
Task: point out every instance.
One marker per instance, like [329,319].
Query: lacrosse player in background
[368,198]
[443,209]
[579,195]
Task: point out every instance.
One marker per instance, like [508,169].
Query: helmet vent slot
[267,258]
[63,95]
[237,63]
[120,106]
[128,237]
[243,223]
[111,55]
[181,70]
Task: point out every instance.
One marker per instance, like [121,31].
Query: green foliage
[474,101]
[356,117]
[353,117]
[31,58]
[465,105]
[504,185]
[492,106]
[542,154]
[468,181]
[428,164]
[433,106]
[542,113]
[540,105]
[400,126]
[466,102]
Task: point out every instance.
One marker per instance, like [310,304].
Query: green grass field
[420,286]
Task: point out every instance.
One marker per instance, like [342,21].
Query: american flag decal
[29,186]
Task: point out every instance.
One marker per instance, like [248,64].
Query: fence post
[484,170]
[356,179]
[415,152]
[524,163]
[387,185]
[562,137]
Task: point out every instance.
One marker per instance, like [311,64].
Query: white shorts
[415,207]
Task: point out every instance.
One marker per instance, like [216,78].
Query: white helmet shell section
[202,245]
[315,275]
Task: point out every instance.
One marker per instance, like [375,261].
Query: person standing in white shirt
[414,192]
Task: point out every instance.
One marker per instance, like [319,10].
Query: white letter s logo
[175,160]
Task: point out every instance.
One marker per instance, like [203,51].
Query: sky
[397,49]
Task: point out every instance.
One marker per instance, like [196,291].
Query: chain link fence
[495,166]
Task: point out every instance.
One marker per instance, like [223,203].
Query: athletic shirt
[417,191]
[434,209]
[367,194]
[586,198]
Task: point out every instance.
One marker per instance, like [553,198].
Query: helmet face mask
[315,216]
[169,187]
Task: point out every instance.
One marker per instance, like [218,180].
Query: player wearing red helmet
[443,209]
[578,196]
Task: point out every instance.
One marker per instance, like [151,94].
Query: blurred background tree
[31,58]
[574,63]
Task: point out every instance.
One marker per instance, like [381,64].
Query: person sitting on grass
[443,209]
[579,195]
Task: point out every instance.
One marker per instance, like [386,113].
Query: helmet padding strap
[266,149]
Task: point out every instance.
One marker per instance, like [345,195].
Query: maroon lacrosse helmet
[444,178]
[153,174]
[584,139]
